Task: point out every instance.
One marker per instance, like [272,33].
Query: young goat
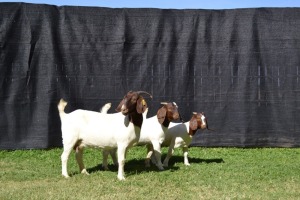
[154,130]
[181,134]
[83,128]
[153,133]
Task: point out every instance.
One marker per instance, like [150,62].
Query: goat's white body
[94,129]
[177,136]
[152,130]
[179,133]
[152,134]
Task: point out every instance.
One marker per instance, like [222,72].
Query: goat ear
[161,114]
[118,109]
[193,124]
[141,105]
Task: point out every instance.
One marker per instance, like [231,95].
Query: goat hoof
[65,176]
[147,164]
[161,168]
[85,172]
[121,178]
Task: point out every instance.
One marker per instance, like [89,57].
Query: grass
[215,173]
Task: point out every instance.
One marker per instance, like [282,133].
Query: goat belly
[182,142]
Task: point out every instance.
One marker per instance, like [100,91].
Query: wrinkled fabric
[241,67]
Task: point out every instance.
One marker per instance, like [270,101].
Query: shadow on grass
[134,166]
[137,166]
[180,159]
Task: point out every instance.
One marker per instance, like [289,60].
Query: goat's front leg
[157,152]
[121,161]
[170,153]
[185,155]
[79,155]
[149,154]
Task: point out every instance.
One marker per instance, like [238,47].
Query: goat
[181,134]
[153,132]
[121,130]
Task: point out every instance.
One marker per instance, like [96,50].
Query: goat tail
[61,106]
[105,108]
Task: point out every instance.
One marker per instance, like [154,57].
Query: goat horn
[143,92]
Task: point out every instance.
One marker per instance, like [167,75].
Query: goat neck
[136,119]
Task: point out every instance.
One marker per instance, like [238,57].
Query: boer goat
[181,134]
[121,130]
[153,133]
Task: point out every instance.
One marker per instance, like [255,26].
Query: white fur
[153,135]
[94,129]
[111,152]
[177,136]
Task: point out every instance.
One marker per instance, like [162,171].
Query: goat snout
[176,116]
[203,126]
[124,110]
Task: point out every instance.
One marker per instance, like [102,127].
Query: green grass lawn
[215,173]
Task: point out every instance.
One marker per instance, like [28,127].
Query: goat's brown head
[198,121]
[168,113]
[133,102]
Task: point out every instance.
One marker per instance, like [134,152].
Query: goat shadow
[132,167]
[179,159]
[137,166]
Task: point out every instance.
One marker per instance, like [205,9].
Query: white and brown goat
[181,134]
[152,133]
[82,128]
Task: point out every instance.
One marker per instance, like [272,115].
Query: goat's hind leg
[64,159]
[79,158]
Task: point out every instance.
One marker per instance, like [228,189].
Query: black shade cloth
[241,67]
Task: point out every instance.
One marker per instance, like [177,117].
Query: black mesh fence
[241,67]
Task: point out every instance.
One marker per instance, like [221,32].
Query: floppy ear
[141,105]
[118,109]
[161,114]
[193,124]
